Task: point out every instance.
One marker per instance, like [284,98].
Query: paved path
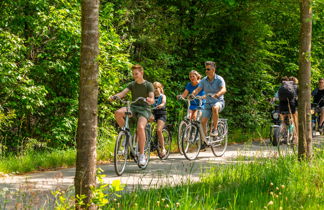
[175,170]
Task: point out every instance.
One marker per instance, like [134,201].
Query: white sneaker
[141,160]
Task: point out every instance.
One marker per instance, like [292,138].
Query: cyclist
[141,110]
[318,93]
[160,113]
[215,85]
[287,95]
[194,77]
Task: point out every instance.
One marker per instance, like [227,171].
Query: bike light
[275,115]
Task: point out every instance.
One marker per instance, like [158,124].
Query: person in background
[194,77]
[318,94]
[160,113]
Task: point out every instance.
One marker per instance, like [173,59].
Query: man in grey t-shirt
[215,88]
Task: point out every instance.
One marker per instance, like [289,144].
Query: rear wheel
[274,134]
[120,153]
[190,142]
[218,144]
[167,144]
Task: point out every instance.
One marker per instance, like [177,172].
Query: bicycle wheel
[218,144]
[291,143]
[274,134]
[120,153]
[167,144]
[182,127]
[190,142]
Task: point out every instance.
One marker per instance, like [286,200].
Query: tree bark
[304,76]
[85,176]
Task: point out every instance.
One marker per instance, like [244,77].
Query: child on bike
[141,109]
[160,113]
[194,77]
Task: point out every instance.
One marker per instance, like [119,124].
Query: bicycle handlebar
[131,102]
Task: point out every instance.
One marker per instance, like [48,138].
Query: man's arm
[119,95]
[221,92]
[150,98]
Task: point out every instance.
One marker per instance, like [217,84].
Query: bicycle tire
[120,152]
[167,144]
[189,138]
[182,127]
[275,133]
[220,142]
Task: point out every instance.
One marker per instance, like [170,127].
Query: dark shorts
[283,107]
[162,117]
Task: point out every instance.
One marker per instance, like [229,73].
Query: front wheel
[120,153]
[190,142]
[219,144]
[181,130]
[167,144]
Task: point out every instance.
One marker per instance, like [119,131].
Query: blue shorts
[207,111]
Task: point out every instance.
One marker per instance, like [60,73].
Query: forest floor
[36,187]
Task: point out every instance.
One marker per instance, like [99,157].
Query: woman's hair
[138,67]
[294,79]
[285,78]
[157,85]
[196,73]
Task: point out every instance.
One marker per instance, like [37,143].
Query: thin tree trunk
[304,95]
[85,176]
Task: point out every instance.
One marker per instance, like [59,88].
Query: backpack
[287,91]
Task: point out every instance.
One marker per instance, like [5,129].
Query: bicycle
[155,143]
[194,135]
[284,135]
[316,114]
[126,144]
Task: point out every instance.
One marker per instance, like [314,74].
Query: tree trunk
[304,75]
[85,176]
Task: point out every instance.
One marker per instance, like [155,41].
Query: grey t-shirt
[212,87]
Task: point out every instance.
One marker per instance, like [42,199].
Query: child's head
[194,76]
[137,71]
[158,88]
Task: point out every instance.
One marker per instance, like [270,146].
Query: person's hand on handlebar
[191,96]
[113,98]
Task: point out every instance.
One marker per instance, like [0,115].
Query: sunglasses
[208,69]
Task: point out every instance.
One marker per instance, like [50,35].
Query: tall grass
[34,161]
[269,184]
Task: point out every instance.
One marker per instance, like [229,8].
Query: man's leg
[141,123]
[204,121]
[120,115]
[215,110]
[322,117]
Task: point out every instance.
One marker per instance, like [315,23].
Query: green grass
[266,184]
[37,161]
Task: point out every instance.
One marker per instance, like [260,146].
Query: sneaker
[163,153]
[141,160]
[203,146]
[214,133]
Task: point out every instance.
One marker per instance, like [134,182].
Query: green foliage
[254,43]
